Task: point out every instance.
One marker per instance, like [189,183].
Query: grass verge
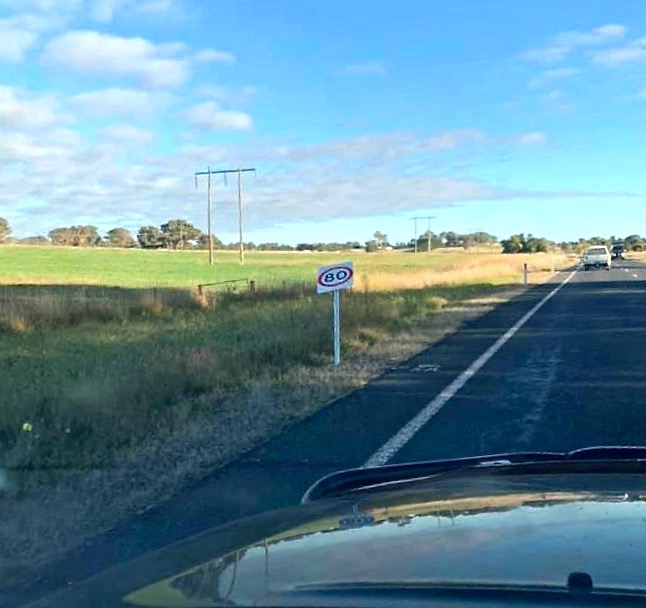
[123,396]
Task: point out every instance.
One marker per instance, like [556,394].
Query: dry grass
[121,396]
[38,525]
[495,268]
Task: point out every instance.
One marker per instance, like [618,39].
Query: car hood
[499,530]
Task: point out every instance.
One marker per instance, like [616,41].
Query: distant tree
[84,236]
[120,237]
[61,236]
[372,246]
[203,241]
[380,239]
[536,245]
[634,242]
[149,237]
[514,244]
[175,234]
[5,230]
[34,240]
[519,243]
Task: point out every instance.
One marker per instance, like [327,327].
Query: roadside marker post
[333,279]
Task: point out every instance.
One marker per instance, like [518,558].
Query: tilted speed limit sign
[334,278]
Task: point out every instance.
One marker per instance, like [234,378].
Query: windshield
[246,244]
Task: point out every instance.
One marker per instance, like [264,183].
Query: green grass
[141,268]
[107,348]
[89,389]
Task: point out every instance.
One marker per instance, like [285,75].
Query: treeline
[519,243]
[181,234]
[633,242]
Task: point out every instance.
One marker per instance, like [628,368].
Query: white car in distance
[597,257]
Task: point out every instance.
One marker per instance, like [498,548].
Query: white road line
[406,433]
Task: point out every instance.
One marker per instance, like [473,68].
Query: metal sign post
[336,306]
[333,279]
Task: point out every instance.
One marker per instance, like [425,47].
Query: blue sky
[493,115]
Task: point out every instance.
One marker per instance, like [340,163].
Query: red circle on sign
[338,275]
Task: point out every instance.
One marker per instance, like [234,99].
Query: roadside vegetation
[121,383]
[88,370]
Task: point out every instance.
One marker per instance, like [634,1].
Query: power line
[225,172]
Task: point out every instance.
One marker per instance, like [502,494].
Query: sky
[492,115]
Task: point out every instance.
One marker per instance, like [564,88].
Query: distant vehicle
[508,530]
[617,251]
[597,257]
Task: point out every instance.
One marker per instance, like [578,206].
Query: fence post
[252,287]
[525,281]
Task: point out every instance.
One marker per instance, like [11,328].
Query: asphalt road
[573,375]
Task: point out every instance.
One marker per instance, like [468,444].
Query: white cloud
[548,76]
[104,10]
[42,6]
[619,56]
[90,52]
[600,35]
[22,110]
[127,136]
[565,43]
[210,116]
[370,68]
[117,102]
[530,139]
[155,7]
[211,56]
[15,43]
[18,34]
[75,180]
[387,146]
[231,95]
[550,54]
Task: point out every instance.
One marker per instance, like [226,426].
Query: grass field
[185,269]
[97,356]
[114,368]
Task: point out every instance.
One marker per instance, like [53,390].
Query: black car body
[541,529]
[617,251]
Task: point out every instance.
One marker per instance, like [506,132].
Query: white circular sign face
[335,276]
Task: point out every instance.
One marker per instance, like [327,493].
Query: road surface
[573,375]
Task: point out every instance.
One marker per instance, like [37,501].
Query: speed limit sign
[332,278]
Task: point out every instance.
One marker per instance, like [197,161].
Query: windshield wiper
[344,482]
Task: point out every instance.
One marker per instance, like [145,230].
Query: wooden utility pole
[428,231]
[208,210]
[225,172]
[241,241]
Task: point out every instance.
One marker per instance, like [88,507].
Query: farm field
[112,363]
[185,269]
